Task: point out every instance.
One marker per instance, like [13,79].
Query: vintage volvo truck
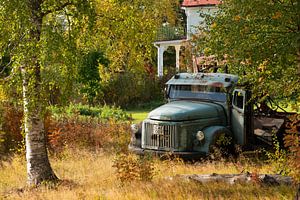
[202,108]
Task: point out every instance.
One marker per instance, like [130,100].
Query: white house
[173,38]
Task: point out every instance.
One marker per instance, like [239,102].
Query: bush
[76,126]
[102,113]
[10,128]
[129,89]
[90,133]
[130,167]
[89,76]
[286,161]
[279,159]
[292,142]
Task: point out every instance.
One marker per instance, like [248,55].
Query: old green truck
[202,108]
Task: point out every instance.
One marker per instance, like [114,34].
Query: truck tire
[222,144]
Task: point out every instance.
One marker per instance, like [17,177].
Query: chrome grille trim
[159,136]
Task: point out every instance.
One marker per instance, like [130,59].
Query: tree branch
[69,24]
[13,72]
[10,47]
[5,67]
[56,9]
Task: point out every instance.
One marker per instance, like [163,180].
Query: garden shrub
[278,159]
[292,143]
[130,167]
[10,127]
[99,84]
[89,76]
[76,126]
[102,113]
[113,113]
[89,133]
[130,89]
[287,161]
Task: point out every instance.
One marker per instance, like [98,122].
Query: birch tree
[32,34]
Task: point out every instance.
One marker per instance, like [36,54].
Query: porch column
[188,22]
[177,48]
[160,60]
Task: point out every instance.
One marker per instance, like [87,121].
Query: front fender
[211,133]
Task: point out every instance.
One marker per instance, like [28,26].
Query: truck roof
[212,79]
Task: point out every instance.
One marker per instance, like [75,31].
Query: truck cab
[201,108]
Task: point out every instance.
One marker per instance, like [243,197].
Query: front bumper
[181,154]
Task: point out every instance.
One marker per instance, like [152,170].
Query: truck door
[238,116]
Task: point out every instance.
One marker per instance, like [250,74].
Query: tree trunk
[38,165]
[264,179]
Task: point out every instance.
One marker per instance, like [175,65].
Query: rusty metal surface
[265,128]
[212,79]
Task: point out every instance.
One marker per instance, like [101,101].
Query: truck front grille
[158,136]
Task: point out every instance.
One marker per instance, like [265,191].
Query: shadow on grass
[45,186]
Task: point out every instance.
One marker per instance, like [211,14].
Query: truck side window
[238,100]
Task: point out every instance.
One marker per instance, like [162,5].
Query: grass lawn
[91,175]
[138,115]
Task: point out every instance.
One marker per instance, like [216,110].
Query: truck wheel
[222,145]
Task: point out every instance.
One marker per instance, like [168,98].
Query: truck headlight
[134,128]
[200,135]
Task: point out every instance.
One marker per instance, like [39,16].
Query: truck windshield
[201,92]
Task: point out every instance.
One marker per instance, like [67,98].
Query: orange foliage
[75,132]
[292,142]
[11,129]
[87,133]
[277,15]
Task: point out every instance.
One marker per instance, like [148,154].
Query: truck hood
[185,110]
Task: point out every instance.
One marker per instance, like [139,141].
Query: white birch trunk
[38,166]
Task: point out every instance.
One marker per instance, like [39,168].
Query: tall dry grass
[90,175]
[82,154]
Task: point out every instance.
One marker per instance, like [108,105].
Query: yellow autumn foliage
[2,94]
[262,67]
[237,18]
[277,15]
[214,25]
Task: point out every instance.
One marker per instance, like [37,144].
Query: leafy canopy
[126,30]
[122,31]
[260,40]
[48,35]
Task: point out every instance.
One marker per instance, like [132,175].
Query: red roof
[194,3]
